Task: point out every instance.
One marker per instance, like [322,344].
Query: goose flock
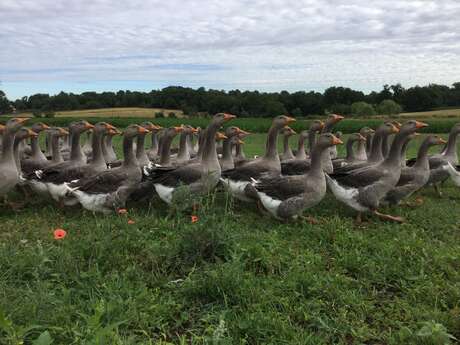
[373,173]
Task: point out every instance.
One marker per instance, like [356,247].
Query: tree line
[390,100]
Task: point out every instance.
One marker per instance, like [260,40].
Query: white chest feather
[270,204]
[164,192]
[92,202]
[454,174]
[236,188]
[57,191]
[348,196]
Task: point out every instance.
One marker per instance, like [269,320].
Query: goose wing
[173,177]
[246,172]
[282,187]
[103,183]
[295,167]
[361,177]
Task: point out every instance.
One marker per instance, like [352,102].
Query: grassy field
[255,125]
[232,277]
[148,113]
[115,112]
[435,113]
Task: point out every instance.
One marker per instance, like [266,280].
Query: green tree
[274,108]
[5,105]
[388,107]
[296,112]
[362,109]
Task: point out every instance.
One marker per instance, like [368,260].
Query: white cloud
[264,44]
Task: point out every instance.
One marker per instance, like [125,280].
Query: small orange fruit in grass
[194,218]
[122,211]
[130,221]
[59,234]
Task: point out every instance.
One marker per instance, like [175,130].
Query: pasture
[115,112]
[232,277]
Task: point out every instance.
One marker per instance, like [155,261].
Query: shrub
[340,108]
[362,109]
[37,113]
[297,112]
[49,114]
[388,107]
[172,115]
[159,115]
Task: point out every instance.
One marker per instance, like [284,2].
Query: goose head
[317,126]
[13,125]
[133,131]
[80,126]
[411,126]
[188,130]
[171,132]
[282,121]
[366,131]
[220,118]
[456,128]
[220,136]
[433,140]
[304,134]
[334,118]
[39,127]
[328,140]
[387,128]
[232,131]
[103,127]
[288,131]
[357,137]
[24,133]
[58,131]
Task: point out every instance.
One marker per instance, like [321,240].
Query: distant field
[150,113]
[434,113]
[116,112]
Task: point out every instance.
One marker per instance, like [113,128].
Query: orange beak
[109,126]
[441,141]
[419,124]
[397,124]
[336,141]
[194,130]
[178,129]
[63,131]
[242,132]
[394,129]
[337,117]
[2,128]
[142,130]
[289,119]
[157,127]
[228,117]
[221,136]
[88,125]
[45,126]
[321,124]
[22,119]
[31,133]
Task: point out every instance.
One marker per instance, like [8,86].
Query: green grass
[233,277]
[255,125]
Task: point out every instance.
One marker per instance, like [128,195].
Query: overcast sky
[269,45]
